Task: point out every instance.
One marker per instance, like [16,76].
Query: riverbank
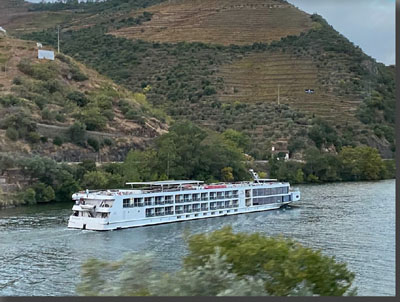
[208,158]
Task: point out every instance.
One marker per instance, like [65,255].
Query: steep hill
[221,22]
[40,100]
[221,64]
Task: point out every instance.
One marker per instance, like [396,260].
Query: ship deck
[172,186]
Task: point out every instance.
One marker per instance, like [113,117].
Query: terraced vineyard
[259,77]
[221,22]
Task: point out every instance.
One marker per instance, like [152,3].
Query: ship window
[169,210]
[236,210]
[149,212]
[212,213]
[221,212]
[138,202]
[195,215]
[267,200]
[76,213]
[126,203]
[187,216]
[204,214]
[178,217]
[148,201]
[168,199]
[159,211]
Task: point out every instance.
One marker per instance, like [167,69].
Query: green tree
[65,185]
[323,165]
[390,167]
[361,163]
[94,143]
[140,166]
[43,193]
[299,178]
[222,264]
[240,139]
[95,180]
[77,133]
[284,263]
[29,196]
[186,139]
[226,174]
[92,118]
[78,97]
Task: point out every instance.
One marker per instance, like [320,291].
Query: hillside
[220,22]
[41,100]
[221,64]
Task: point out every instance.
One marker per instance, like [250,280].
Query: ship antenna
[255,175]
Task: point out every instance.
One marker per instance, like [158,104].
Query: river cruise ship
[159,202]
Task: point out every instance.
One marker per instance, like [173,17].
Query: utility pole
[58,39]
[278,94]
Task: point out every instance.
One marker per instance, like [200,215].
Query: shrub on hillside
[92,118]
[78,97]
[77,133]
[10,100]
[12,133]
[41,71]
[78,75]
[33,137]
[58,141]
[94,143]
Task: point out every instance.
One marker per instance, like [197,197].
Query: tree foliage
[361,163]
[223,264]
[351,163]
[283,264]
[186,152]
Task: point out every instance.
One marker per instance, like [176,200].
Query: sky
[369,24]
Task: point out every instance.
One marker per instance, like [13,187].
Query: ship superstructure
[175,200]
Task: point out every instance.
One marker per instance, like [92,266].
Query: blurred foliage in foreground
[223,263]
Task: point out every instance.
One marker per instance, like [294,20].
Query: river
[353,221]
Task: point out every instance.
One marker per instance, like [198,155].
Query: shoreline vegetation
[185,152]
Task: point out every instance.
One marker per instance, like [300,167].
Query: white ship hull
[118,209]
[104,225]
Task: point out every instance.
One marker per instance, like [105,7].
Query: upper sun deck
[168,186]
